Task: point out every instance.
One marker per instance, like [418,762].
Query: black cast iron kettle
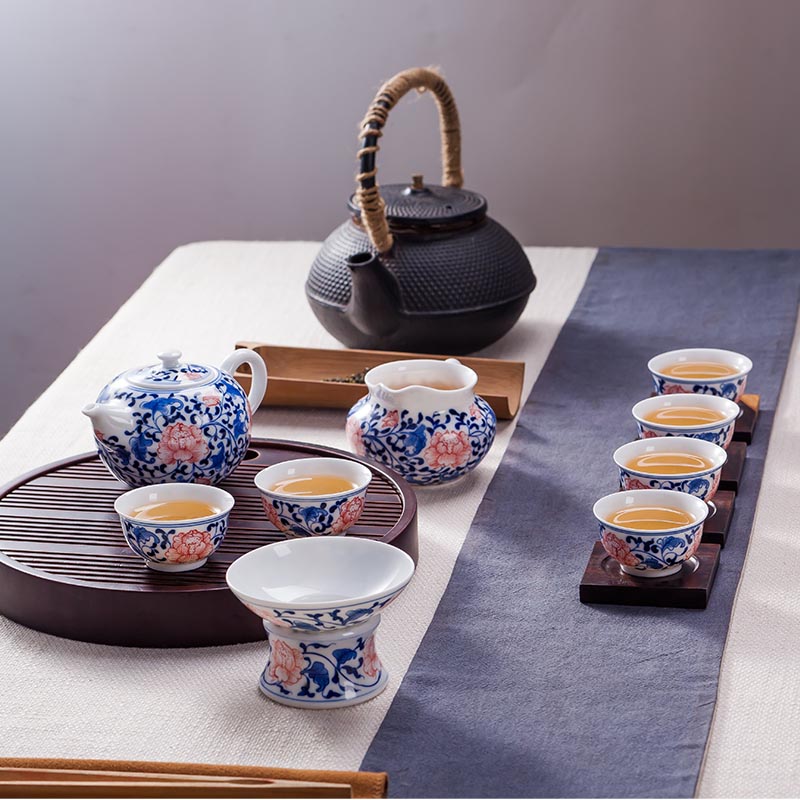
[418,268]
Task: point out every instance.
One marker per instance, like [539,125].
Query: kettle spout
[374,297]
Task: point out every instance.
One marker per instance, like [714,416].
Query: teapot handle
[368,196]
[258,384]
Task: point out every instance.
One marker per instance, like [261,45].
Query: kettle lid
[170,374]
[427,204]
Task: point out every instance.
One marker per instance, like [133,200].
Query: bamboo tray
[297,376]
[65,568]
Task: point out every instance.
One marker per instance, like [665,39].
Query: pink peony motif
[204,481]
[264,614]
[649,435]
[211,399]
[474,411]
[189,546]
[390,420]
[285,663]
[98,434]
[193,375]
[617,549]
[635,483]
[714,485]
[272,514]
[371,665]
[182,442]
[349,514]
[355,436]
[674,388]
[447,449]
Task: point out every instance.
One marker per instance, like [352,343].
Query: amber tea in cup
[174,511]
[312,485]
[687,416]
[651,518]
[669,463]
[699,370]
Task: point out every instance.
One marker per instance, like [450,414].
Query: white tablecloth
[63,698]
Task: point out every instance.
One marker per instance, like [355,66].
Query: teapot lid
[170,374]
[421,204]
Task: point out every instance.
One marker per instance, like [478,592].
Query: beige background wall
[130,127]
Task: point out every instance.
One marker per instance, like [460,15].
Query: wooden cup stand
[604,581]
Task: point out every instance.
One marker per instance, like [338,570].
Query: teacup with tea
[698,416]
[314,496]
[678,463]
[650,532]
[174,527]
[701,370]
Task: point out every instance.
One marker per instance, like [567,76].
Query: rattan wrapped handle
[368,196]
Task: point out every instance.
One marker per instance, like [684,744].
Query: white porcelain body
[320,515]
[428,435]
[719,433]
[646,554]
[731,386]
[321,599]
[176,422]
[174,546]
[702,484]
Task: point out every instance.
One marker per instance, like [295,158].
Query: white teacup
[701,483]
[655,553]
[719,433]
[180,545]
[730,386]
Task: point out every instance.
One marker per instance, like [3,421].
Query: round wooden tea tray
[65,568]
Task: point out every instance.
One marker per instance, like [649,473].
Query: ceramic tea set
[651,549]
[174,429]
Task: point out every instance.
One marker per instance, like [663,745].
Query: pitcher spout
[374,296]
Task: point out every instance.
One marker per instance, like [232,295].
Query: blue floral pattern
[317,672]
[174,544]
[423,448]
[650,552]
[323,619]
[703,486]
[297,517]
[731,390]
[193,435]
[720,436]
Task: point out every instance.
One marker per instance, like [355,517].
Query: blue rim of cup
[671,476]
[182,523]
[703,381]
[314,498]
[652,534]
[710,427]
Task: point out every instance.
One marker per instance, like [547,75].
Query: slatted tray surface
[65,567]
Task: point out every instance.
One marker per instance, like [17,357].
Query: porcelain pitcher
[422,419]
[177,422]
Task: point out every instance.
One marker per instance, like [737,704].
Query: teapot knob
[170,358]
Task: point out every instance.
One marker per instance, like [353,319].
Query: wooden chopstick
[48,774]
[58,783]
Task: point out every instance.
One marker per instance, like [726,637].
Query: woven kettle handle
[368,196]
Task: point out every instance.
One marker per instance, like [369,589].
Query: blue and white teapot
[177,422]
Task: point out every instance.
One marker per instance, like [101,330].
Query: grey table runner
[518,689]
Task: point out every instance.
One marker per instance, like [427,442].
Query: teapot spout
[374,297]
[92,410]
